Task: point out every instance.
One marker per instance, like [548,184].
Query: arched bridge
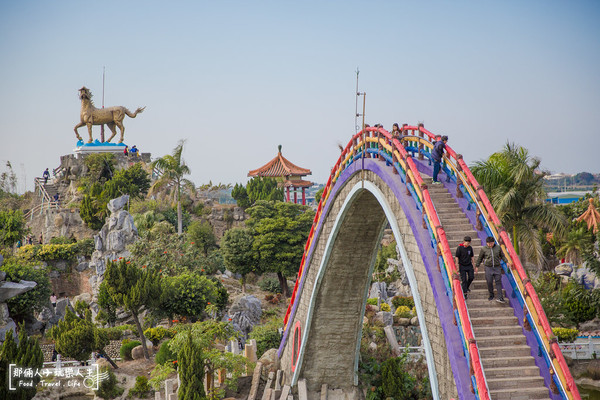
[474,349]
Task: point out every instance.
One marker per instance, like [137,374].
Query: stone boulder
[385,318]
[270,362]
[9,290]
[245,313]
[137,353]
[564,269]
[379,291]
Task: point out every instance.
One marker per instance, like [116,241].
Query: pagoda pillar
[287,194]
[303,196]
[295,196]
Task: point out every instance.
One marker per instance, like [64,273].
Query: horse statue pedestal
[98,147]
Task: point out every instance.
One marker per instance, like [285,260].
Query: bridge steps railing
[392,150]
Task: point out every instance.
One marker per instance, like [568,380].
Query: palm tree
[514,185]
[172,169]
[573,247]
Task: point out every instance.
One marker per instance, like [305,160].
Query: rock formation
[9,290]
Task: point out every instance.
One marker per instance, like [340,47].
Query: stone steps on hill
[509,367]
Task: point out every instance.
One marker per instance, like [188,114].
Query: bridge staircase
[510,370]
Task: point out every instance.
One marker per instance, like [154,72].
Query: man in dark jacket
[436,155]
[464,258]
[491,256]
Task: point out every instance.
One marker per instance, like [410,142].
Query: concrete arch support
[330,305]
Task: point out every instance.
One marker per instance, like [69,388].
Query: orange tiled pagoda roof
[280,167]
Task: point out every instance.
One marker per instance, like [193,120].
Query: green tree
[191,371]
[396,382]
[267,335]
[172,169]
[383,254]
[573,247]
[205,335]
[240,195]
[236,247]
[202,235]
[187,295]
[132,288]
[32,300]
[263,188]
[77,337]
[27,354]
[280,232]
[12,227]
[100,168]
[514,185]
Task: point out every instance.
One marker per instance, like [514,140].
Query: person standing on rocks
[46,176]
[491,256]
[464,258]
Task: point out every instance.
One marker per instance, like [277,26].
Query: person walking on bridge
[436,155]
[491,256]
[464,258]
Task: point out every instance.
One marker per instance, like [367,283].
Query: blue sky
[237,78]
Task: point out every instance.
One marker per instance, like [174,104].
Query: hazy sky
[238,78]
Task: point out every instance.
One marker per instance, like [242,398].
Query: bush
[565,334]
[403,312]
[399,301]
[141,388]
[385,307]
[578,302]
[126,348]
[372,301]
[165,354]
[155,335]
[269,284]
[267,336]
[108,388]
[32,300]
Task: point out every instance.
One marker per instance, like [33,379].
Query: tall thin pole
[356,104]
[102,126]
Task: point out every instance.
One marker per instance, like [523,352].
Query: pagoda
[287,174]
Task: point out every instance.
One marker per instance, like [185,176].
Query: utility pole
[102,126]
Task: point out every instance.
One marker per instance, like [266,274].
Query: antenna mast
[356,113]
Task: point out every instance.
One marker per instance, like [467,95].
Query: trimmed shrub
[403,312]
[141,388]
[269,284]
[267,336]
[385,307]
[108,388]
[165,354]
[398,301]
[372,301]
[155,335]
[126,347]
[565,334]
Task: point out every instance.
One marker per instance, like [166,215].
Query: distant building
[287,174]
[566,197]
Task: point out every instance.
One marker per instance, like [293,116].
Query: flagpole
[102,126]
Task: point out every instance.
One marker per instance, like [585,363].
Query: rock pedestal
[9,290]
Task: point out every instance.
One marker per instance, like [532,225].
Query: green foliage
[61,240]
[372,301]
[565,334]
[318,194]
[280,232]
[155,335]
[191,371]
[269,284]
[201,234]
[383,254]
[131,287]
[236,248]
[141,388]
[32,300]
[170,216]
[12,227]
[108,388]
[396,382]
[26,354]
[165,354]
[578,302]
[187,295]
[512,181]
[240,195]
[407,301]
[126,347]
[100,168]
[385,307]
[172,169]
[90,211]
[77,337]
[116,332]
[263,188]
[173,254]
[160,373]
[267,335]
